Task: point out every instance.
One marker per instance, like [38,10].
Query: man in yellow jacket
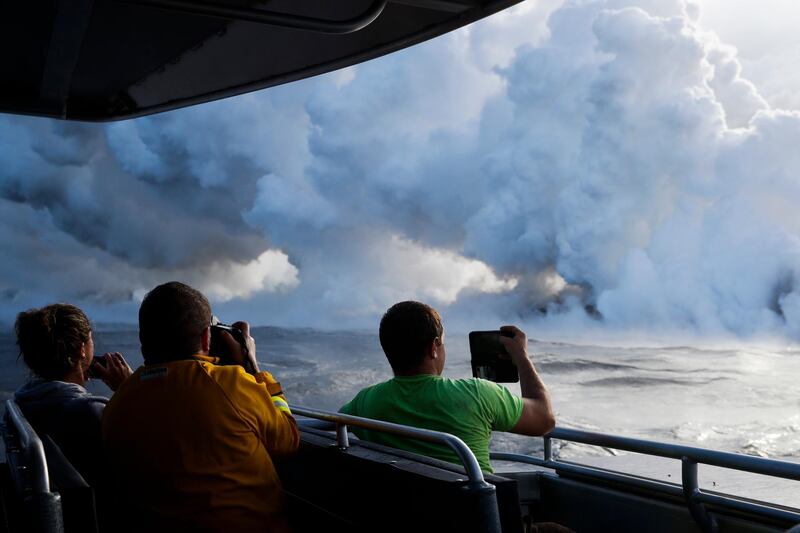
[191,439]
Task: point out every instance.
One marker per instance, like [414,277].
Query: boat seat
[10,502]
[77,496]
[370,487]
[68,505]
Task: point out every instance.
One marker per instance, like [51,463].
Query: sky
[615,165]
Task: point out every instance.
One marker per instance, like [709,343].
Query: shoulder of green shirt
[350,407]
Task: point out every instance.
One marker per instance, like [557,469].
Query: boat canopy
[99,60]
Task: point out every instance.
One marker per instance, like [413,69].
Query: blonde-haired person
[56,344]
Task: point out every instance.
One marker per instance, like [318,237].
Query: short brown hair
[171,320]
[406,330]
[50,339]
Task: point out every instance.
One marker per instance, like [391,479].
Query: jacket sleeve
[260,401]
[290,437]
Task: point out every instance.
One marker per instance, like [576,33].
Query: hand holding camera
[234,345]
[515,342]
[111,368]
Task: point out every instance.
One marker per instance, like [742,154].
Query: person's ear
[205,342]
[434,348]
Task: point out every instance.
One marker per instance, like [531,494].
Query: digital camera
[490,359]
[98,360]
[219,348]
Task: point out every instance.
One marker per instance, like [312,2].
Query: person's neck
[76,376]
[153,360]
[421,371]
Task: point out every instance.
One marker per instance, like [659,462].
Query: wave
[754,438]
[641,381]
[581,365]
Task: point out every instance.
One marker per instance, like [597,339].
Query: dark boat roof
[97,60]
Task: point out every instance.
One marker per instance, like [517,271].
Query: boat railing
[696,498]
[342,421]
[476,484]
[26,459]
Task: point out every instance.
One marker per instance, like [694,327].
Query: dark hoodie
[70,416]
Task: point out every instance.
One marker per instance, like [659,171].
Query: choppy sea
[735,399]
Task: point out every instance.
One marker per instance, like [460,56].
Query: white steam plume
[604,157]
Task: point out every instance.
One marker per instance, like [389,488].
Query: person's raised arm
[245,358]
[537,413]
[261,401]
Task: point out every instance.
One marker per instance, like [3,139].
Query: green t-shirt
[467,408]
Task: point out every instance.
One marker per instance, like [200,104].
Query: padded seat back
[77,497]
[66,505]
[370,487]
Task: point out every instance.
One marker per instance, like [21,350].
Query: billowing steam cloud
[598,158]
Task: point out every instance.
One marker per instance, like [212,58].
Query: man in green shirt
[412,337]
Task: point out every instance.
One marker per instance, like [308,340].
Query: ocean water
[734,399]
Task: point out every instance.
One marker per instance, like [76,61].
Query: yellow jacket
[191,445]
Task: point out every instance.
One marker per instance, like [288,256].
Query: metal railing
[31,448]
[341,421]
[28,463]
[484,495]
[689,456]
